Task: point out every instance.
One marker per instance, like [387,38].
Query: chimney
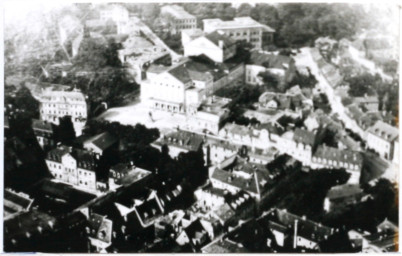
[220,44]
[295,235]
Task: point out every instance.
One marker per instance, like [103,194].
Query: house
[387,227]
[302,233]
[194,234]
[114,12]
[242,204]
[100,232]
[238,175]
[241,28]
[225,214]
[216,46]
[76,167]
[44,133]
[298,144]
[210,197]
[281,101]
[124,174]
[180,141]
[381,138]
[57,104]
[100,143]
[342,195]
[329,157]
[210,116]
[370,103]
[15,203]
[380,243]
[283,67]
[224,245]
[177,18]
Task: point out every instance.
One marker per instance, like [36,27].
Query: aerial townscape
[201,128]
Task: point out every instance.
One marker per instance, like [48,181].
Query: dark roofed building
[100,234]
[342,195]
[218,38]
[224,246]
[305,137]
[180,73]
[381,138]
[100,143]
[15,203]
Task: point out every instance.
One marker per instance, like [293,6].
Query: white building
[217,46]
[381,137]
[73,166]
[116,13]
[57,104]
[241,28]
[177,18]
[188,35]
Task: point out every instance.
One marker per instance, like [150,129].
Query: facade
[180,141]
[241,28]
[44,133]
[57,104]
[329,157]
[216,46]
[177,18]
[73,166]
[127,174]
[381,138]
[116,13]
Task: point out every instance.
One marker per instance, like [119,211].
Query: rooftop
[238,22]
[102,141]
[304,136]
[177,11]
[39,125]
[183,139]
[344,190]
[338,155]
[71,97]
[216,37]
[270,60]
[384,131]
[224,246]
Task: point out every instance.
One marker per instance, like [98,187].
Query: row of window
[186,21]
[335,163]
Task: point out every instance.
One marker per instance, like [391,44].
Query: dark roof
[103,140]
[215,37]
[149,210]
[306,228]
[15,202]
[184,139]
[224,246]
[215,191]
[41,125]
[85,159]
[304,136]
[102,227]
[338,155]
[270,60]
[224,213]
[181,73]
[194,228]
[343,191]
[57,153]
[203,64]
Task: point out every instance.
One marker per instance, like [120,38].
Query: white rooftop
[239,22]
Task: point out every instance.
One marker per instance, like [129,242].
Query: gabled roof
[57,153]
[304,136]
[149,211]
[224,246]
[180,73]
[103,141]
[215,37]
[102,227]
[39,125]
[184,139]
[15,202]
[384,131]
[270,60]
[345,190]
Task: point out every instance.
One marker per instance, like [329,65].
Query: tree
[271,81]
[65,132]
[361,85]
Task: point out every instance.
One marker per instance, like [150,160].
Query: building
[44,133]
[224,245]
[188,35]
[57,104]
[180,141]
[76,167]
[387,227]
[195,235]
[15,203]
[329,157]
[370,103]
[177,18]
[381,138]
[342,195]
[116,13]
[100,143]
[210,197]
[165,88]
[282,67]
[217,46]
[124,174]
[302,233]
[210,116]
[380,243]
[241,28]
[100,232]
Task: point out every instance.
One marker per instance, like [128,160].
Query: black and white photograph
[200,127]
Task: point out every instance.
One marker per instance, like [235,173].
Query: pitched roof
[270,60]
[224,246]
[238,22]
[304,136]
[343,191]
[57,153]
[149,211]
[177,11]
[15,202]
[102,227]
[215,37]
[384,131]
[39,125]
[180,73]
[338,155]
[184,139]
[102,141]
